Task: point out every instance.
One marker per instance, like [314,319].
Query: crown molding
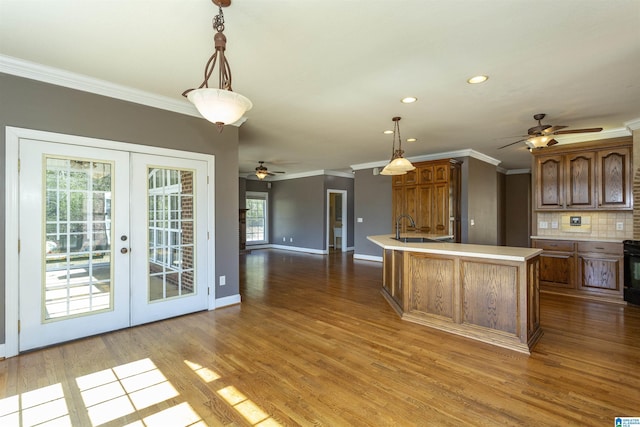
[583,137]
[517,171]
[438,156]
[633,124]
[55,76]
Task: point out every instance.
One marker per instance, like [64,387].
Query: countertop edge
[458,249]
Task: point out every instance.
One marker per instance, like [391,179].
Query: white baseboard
[297,249]
[227,301]
[367,257]
[260,246]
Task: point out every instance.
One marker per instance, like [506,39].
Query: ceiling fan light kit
[398,164]
[542,136]
[262,172]
[221,106]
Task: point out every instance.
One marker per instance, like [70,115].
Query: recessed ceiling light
[411,139]
[388,132]
[409,100]
[477,79]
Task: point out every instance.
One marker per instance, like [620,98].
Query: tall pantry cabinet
[430,194]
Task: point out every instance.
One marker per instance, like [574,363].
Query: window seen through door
[256,204]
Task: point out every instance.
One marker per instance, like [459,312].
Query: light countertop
[506,253]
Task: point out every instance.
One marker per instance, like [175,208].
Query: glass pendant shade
[219,106]
[539,141]
[400,164]
[387,171]
[261,175]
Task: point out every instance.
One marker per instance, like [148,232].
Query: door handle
[124,250]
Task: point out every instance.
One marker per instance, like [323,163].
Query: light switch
[359,219]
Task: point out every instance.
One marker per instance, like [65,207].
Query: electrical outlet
[223,280]
[619,226]
[284,239]
[554,224]
[472,222]
[543,224]
[290,239]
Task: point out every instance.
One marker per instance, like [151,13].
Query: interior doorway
[336,220]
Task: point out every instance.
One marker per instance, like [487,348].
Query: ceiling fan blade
[512,143]
[564,132]
[553,129]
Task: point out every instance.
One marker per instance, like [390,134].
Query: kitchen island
[487,293]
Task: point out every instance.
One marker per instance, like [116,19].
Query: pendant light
[221,106]
[398,164]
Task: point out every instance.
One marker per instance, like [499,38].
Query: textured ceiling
[327,76]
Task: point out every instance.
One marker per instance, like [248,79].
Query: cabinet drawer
[600,248]
[554,245]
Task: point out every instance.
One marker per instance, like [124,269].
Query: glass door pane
[169,251]
[77,246]
[74,245]
[171,233]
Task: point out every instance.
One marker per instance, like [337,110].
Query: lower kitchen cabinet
[600,268]
[581,268]
[557,263]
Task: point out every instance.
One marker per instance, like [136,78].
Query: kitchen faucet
[413,224]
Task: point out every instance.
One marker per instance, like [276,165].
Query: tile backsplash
[596,225]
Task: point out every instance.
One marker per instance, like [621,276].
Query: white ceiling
[327,76]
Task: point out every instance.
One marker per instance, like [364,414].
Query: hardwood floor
[315,343]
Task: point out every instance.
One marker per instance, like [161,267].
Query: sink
[419,240]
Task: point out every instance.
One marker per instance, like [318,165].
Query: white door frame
[343,239]
[12,214]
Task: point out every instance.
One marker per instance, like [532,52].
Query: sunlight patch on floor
[37,407]
[206,374]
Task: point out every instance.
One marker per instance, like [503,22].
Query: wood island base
[490,298]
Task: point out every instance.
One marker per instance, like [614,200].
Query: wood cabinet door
[411,177]
[600,274]
[614,178]
[425,174]
[441,208]
[549,182]
[410,207]
[397,205]
[557,269]
[397,180]
[425,208]
[580,176]
[441,172]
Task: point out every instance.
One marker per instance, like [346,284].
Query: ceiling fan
[542,135]
[262,172]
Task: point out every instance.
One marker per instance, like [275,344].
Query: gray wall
[479,202]
[297,211]
[518,210]
[34,105]
[373,205]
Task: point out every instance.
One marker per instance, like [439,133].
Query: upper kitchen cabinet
[430,194]
[587,176]
[615,185]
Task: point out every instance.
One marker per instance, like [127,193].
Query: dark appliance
[632,271]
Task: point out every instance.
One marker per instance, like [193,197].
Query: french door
[108,239]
